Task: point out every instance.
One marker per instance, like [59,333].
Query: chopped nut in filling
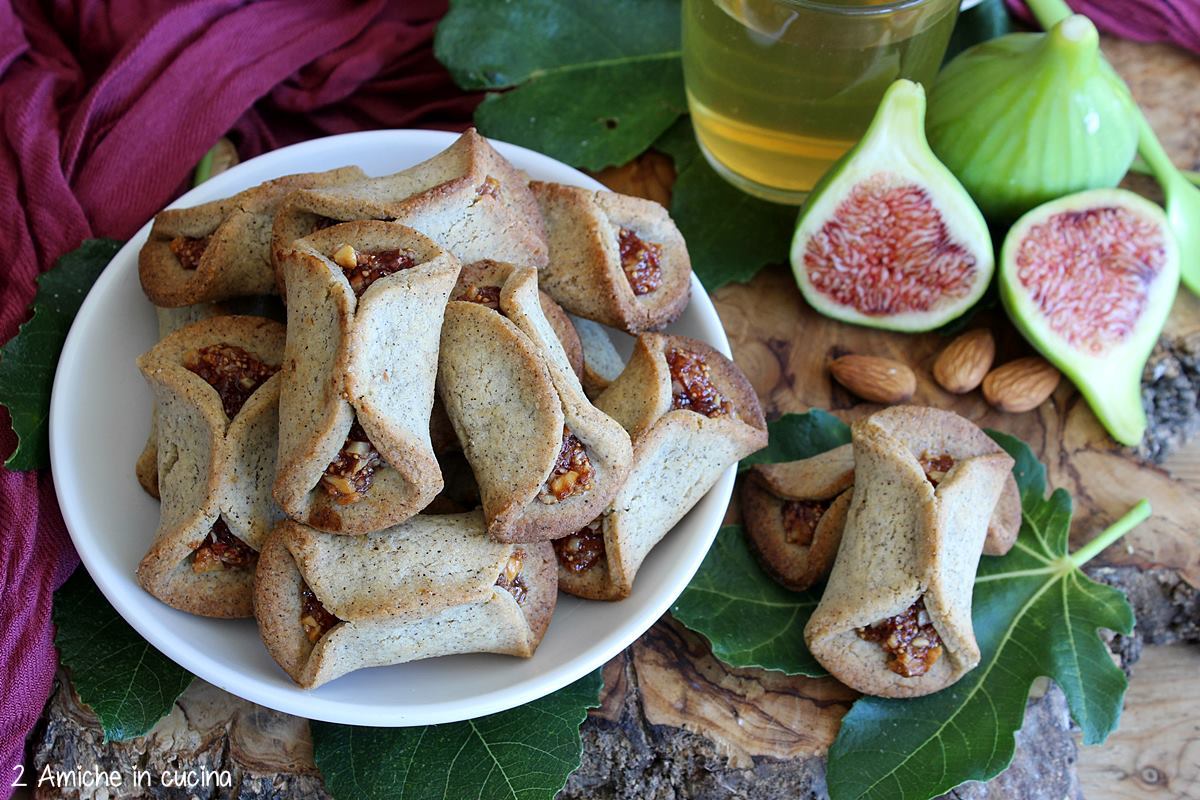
[314,617]
[483,295]
[800,520]
[232,371]
[188,250]
[936,466]
[362,268]
[641,261]
[511,578]
[572,473]
[350,475]
[583,549]
[490,187]
[909,639]
[692,387]
[222,550]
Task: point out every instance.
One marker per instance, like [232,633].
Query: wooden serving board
[676,723]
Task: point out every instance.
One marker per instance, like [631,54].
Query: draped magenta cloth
[106,108]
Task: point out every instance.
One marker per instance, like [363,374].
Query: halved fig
[889,238]
[1089,280]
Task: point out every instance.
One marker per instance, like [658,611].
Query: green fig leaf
[564,57]
[730,234]
[126,682]
[28,360]
[749,620]
[796,436]
[526,753]
[1034,613]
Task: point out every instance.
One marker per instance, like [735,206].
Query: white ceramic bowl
[99,417]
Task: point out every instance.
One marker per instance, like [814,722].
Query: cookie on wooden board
[794,514]
[895,616]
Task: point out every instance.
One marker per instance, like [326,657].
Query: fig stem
[1142,168]
[204,168]
[1133,517]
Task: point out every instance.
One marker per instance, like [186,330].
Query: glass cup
[780,89]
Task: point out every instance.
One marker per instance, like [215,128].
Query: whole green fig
[1028,117]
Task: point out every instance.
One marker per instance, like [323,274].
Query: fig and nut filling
[572,473]
[583,549]
[363,268]
[483,295]
[641,261]
[221,549]
[511,577]
[189,250]
[489,188]
[350,475]
[232,371]
[314,617]
[936,466]
[692,387]
[800,520]
[909,639]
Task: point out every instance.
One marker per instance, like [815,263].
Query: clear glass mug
[779,89]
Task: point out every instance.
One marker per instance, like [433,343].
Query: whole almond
[1021,385]
[965,361]
[880,380]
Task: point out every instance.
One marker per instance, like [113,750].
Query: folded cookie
[467,198]
[895,617]
[547,461]
[169,321]
[614,259]
[794,514]
[432,586]
[794,525]
[216,394]
[365,303]
[601,361]
[221,249]
[692,414]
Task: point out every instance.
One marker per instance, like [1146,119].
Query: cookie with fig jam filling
[365,303]
[614,259]
[895,617]
[678,454]
[467,198]
[216,389]
[431,586]
[219,250]
[794,514]
[547,461]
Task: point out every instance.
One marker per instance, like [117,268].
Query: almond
[965,361]
[1021,385]
[880,380]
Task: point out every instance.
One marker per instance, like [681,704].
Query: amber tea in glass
[780,89]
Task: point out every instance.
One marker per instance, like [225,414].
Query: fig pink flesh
[1088,273]
[886,250]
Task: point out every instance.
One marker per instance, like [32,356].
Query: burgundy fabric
[1173,21]
[107,107]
